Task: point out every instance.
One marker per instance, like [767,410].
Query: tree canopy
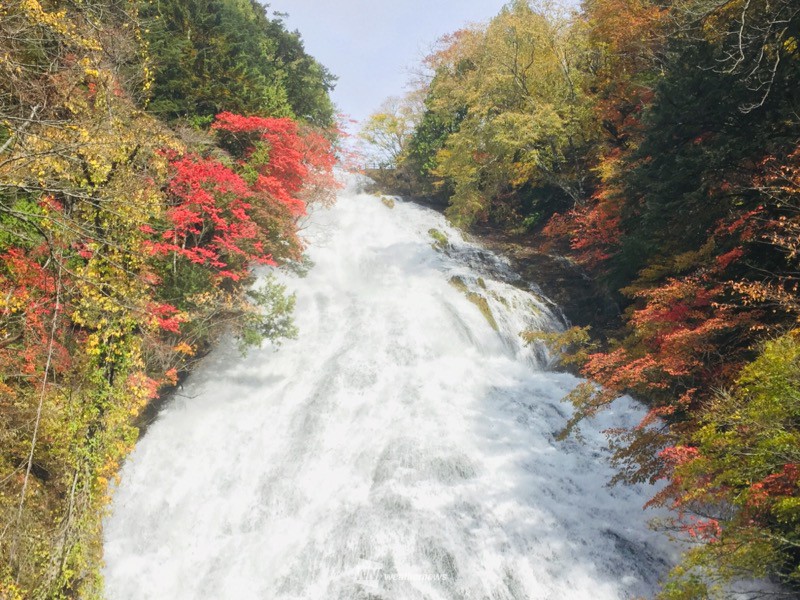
[126,246]
[656,146]
[229,55]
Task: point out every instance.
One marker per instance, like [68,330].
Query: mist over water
[400,448]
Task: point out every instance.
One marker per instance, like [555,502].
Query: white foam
[400,431]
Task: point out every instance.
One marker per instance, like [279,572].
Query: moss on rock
[478,300]
[440,241]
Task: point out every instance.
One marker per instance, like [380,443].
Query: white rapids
[400,448]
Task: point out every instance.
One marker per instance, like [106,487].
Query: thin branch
[21,129]
[42,395]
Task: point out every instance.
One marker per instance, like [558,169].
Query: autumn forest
[655,144]
[158,157]
[152,154]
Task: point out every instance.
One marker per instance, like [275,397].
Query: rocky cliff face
[583,301]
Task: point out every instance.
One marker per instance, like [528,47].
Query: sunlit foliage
[655,144]
[125,248]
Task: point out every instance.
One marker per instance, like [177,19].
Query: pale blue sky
[372,44]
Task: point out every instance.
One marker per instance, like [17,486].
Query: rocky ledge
[583,300]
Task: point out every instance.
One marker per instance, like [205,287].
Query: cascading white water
[400,448]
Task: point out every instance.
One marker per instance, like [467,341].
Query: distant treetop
[229,55]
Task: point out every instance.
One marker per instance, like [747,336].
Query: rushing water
[400,448]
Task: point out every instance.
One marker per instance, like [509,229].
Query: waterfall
[402,447]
